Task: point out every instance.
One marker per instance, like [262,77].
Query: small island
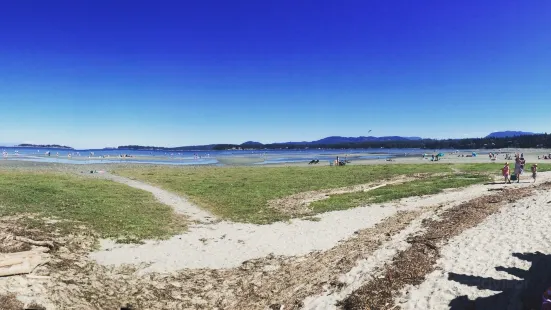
[46,146]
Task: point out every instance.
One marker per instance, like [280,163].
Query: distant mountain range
[343,142]
[340,140]
[329,142]
[508,134]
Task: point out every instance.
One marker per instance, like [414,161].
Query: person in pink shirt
[506,173]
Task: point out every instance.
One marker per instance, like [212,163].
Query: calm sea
[260,157]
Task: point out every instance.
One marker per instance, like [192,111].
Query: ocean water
[262,157]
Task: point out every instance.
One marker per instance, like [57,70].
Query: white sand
[369,268]
[520,227]
[477,251]
[365,269]
[26,289]
[226,245]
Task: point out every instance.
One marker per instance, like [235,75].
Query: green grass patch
[242,193]
[113,210]
[427,186]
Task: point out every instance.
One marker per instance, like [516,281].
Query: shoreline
[278,160]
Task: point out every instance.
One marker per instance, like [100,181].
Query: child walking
[506,173]
[534,171]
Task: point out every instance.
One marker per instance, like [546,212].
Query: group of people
[520,162]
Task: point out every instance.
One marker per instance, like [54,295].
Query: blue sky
[170,73]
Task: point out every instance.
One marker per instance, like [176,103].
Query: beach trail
[293,246]
[228,244]
[179,204]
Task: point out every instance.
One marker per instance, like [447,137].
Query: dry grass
[412,265]
[10,302]
[256,284]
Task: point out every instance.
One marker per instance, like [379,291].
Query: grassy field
[428,186]
[242,193]
[113,210]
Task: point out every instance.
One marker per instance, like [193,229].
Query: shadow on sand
[512,182]
[522,294]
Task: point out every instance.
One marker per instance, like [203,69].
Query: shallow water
[81,157]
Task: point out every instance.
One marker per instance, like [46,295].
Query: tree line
[530,141]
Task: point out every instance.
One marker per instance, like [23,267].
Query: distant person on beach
[534,171]
[522,162]
[506,173]
[518,168]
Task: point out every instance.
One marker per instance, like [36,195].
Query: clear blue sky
[169,73]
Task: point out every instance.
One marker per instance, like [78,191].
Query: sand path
[227,244]
[179,204]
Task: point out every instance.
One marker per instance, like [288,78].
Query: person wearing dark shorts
[518,168]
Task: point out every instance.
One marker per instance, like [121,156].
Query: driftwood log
[48,244]
[27,261]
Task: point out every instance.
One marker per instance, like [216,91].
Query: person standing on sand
[534,171]
[522,163]
[506,172]
[519,167]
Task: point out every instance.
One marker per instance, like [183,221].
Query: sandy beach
[320,262]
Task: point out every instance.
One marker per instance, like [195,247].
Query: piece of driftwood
[32,276]
[48,244]
[22,262]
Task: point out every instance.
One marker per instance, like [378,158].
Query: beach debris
[410,266]
[21,255]
[49,244]
[22,262]
[10,301]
